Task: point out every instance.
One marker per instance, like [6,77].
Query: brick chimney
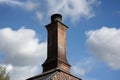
[56,49]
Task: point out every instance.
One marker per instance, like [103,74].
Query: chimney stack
[56,48]
[56,66]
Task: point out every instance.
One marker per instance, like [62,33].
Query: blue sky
[93,36]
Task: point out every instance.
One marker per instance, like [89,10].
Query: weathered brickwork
[63,76]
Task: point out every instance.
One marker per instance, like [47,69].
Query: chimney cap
[56,17]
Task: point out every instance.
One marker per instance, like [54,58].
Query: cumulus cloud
[105,44]
[21,46]
[22,50]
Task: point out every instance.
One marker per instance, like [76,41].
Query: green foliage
[3,74]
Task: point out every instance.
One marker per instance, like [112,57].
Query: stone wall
[63,76]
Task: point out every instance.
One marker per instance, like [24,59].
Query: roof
[50,74]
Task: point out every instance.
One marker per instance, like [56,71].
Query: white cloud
[22,73]
[22,51]
[105,44]
[75,9]
[21,46]
[82,68]
[11,2]
[28,5]
[78,70]
[70,9]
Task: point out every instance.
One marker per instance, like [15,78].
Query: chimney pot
[56,17]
